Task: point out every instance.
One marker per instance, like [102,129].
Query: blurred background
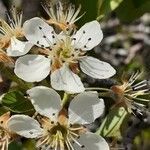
[126,45]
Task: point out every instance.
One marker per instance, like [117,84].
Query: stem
[65,99]
[104,94]
[34,115]
[97,89]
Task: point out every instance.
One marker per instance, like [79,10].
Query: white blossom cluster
[61,54]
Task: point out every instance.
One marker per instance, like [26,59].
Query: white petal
[32,68]
[96,68]
[91,141]
[38,32]
[46,101]
[88,36]
[18,48]
[65,79]
[24,126]
[85,108]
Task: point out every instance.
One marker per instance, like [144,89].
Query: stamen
[68,147]
[69,143]
[74,129]
[56,141]
[134,77]
[73,133]
[141,85]
[74,140]
[74,17]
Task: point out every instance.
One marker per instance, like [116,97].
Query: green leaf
[29,144]
[89,7]
[15,146]
[106,6]
[3,110]
[130,10]
[16,102]
[112,123]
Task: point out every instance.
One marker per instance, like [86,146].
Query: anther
[89,39]
[83,32]
[67,29]
[52,122]
[44,36]
[82,146]
[31,132]
[51,147]
[40,28]
[78,137]
[37,42]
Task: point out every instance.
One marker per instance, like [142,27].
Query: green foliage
[130,10]
[142,140]
[112,123]
[106,6]
[126,10]
[89,7]
[3,110]
[16,102]
[29,145]
[15,146]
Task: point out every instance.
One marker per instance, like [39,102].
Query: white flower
[9,34]
[65,54]
[64,18]
[59,129]
[5,135]
[128,92]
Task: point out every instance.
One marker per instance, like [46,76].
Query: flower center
[4,137]
[59,135]
[58,129]
[14,28]
[60,16]
[64,52]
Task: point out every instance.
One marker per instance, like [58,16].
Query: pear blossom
[57,128]
[60,17]
[126,93]
[6,136]
[11,33]
[62,55]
